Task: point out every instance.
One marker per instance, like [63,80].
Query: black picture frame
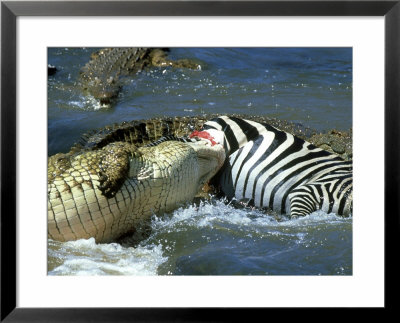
[10,10]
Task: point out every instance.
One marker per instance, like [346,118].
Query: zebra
[271,169]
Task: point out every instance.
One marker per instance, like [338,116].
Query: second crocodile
[102,76]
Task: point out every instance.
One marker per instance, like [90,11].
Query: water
[312,86]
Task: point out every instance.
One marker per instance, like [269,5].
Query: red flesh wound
[203,134]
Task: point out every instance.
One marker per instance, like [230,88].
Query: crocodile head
[104,89]
[108,192]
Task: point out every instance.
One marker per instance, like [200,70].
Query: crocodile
[109,192]
[335,141]
[102,76]
[142,132]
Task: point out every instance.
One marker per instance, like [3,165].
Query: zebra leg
[310,197]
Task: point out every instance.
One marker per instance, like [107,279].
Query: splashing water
[214,238]
[85,257]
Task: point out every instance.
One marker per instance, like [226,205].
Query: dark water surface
[312,86]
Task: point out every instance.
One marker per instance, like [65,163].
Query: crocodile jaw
[210,158]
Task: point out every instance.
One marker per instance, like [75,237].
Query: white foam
[85,257]
[210,213]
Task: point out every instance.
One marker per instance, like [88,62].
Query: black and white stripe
[272,169]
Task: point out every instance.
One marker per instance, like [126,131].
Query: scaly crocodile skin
[106,193]
[101,76]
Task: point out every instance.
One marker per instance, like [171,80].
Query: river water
[311,86]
